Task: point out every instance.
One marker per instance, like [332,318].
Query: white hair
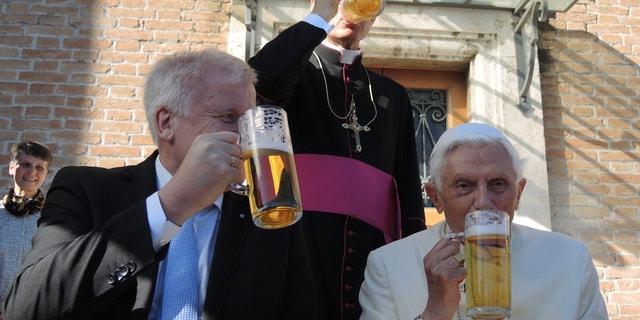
[473,134]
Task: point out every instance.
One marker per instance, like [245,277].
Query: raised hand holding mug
[270,169]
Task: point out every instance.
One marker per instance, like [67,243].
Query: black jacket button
[122,271]
[131,266]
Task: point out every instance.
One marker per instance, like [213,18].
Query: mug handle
[240,189]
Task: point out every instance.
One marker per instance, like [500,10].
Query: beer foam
[494,228]
[281,146]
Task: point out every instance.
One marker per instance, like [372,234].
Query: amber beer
[488,264]
[273,190]
[269,167]
[361,10]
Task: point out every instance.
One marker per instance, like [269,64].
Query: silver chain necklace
[351,115]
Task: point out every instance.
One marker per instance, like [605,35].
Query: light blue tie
[180,297]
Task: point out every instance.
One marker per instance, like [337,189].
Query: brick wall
[71,72]
[591,100]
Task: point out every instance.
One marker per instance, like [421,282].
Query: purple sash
[349,187]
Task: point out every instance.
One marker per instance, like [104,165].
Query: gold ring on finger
[459,258]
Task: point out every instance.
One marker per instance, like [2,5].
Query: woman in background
[20,207]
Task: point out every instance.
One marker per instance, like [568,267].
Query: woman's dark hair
[30,148]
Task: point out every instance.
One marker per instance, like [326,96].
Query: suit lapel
[234,225]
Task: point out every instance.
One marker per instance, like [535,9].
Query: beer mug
[488,263]
[361,10]
[270,170]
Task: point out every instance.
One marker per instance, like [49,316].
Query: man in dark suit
[99,251]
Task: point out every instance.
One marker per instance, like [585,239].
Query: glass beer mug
[269,166]
[488,263]
[361,10]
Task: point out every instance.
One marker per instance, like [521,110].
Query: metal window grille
[429,120]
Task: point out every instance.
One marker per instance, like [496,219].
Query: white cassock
[552,278]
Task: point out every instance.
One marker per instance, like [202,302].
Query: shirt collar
[347,56]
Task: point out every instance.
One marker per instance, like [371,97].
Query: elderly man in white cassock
[475,167]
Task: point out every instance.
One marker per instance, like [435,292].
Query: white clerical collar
[347,56]
[163,176]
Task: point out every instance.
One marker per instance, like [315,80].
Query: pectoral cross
[355,126]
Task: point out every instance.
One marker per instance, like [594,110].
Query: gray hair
[172,80]
[471,134]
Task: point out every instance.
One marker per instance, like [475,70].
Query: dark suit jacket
[93,258]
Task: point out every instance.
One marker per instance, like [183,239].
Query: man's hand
[444,274]
[327,9]
[212,163]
